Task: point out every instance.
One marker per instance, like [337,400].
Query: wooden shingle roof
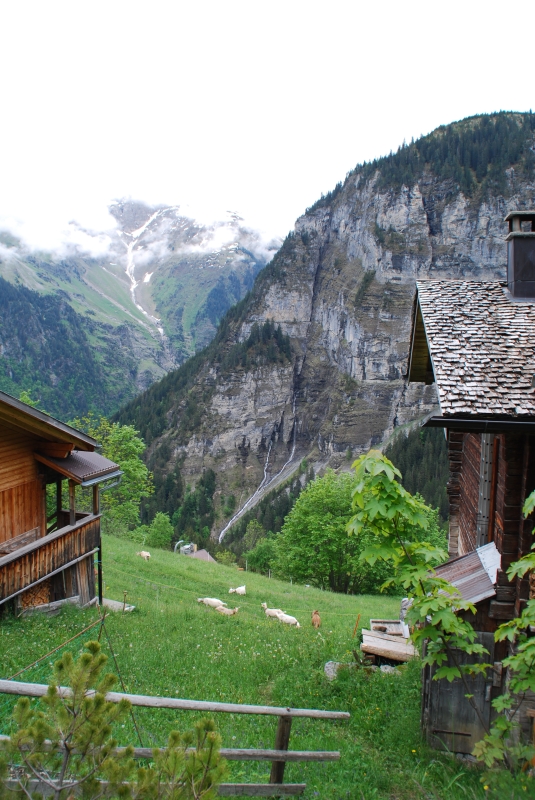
[480,346]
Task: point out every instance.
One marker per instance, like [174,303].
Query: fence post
[282,739]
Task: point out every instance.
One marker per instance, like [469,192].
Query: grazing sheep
[213,602]
[271,612]
[316,619]
[144,555]
[229,612]
[239,590]
[288,619]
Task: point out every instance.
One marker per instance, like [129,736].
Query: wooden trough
[278,756]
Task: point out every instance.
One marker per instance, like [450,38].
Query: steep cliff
[341,287]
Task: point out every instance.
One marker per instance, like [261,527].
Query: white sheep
[229,612]
[288,619]
[144,555]
[239,590]
[271,612]
[213,602]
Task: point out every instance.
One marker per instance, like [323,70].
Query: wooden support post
[99,569]
[72,505]
[96,500]
[58,501]
[282,739]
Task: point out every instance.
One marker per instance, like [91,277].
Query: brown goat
[316,619]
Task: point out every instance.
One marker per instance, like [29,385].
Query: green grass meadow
[173,646]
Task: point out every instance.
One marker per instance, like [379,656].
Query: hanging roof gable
[479,346]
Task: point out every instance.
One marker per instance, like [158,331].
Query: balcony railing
[34,563]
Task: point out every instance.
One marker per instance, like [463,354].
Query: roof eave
[20,414]
[474,424]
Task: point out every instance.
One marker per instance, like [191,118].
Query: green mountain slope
[70,363]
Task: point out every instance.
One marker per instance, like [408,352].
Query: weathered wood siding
[22,497]
[514,472]
[39,559]
[455,457]
[469,492]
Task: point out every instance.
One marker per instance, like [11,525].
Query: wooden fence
[279,755]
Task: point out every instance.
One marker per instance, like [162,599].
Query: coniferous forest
[422,458]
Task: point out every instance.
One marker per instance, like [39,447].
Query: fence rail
[279,756]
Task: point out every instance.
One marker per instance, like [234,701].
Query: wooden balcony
[60,563]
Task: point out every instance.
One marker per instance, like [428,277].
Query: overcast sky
[256,107]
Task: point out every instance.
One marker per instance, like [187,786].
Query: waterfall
[265,483]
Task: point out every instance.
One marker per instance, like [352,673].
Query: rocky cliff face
[342,287]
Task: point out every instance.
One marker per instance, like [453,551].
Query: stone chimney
[521,254]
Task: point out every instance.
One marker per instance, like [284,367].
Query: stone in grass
[388,670]
[331,669]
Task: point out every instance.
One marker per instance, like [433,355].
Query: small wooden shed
[47,554]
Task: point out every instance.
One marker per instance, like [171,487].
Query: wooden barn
[47,552]
[476,341]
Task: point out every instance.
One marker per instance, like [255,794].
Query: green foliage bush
[160,531]
[120,443]
[313,546]
[262,557]
[266,344]
[226,557]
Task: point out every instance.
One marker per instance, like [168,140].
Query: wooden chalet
[476,341]
[47,556]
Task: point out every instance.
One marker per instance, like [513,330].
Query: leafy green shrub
[122,444]
[262,557]
[313,546]
[226,557]
[160,531]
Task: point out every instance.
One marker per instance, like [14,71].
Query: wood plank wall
[455,457]
[21,493]
[509,499]
[469,492]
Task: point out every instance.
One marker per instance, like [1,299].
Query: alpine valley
[304,358]
[311,363]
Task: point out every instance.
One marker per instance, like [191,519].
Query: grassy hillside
[173,646]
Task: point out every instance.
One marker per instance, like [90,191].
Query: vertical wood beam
[96,499]
[493,488]
[58,500]
[96,510]
[72,503]
[282,740]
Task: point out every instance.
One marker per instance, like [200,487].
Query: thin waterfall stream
[265,483]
